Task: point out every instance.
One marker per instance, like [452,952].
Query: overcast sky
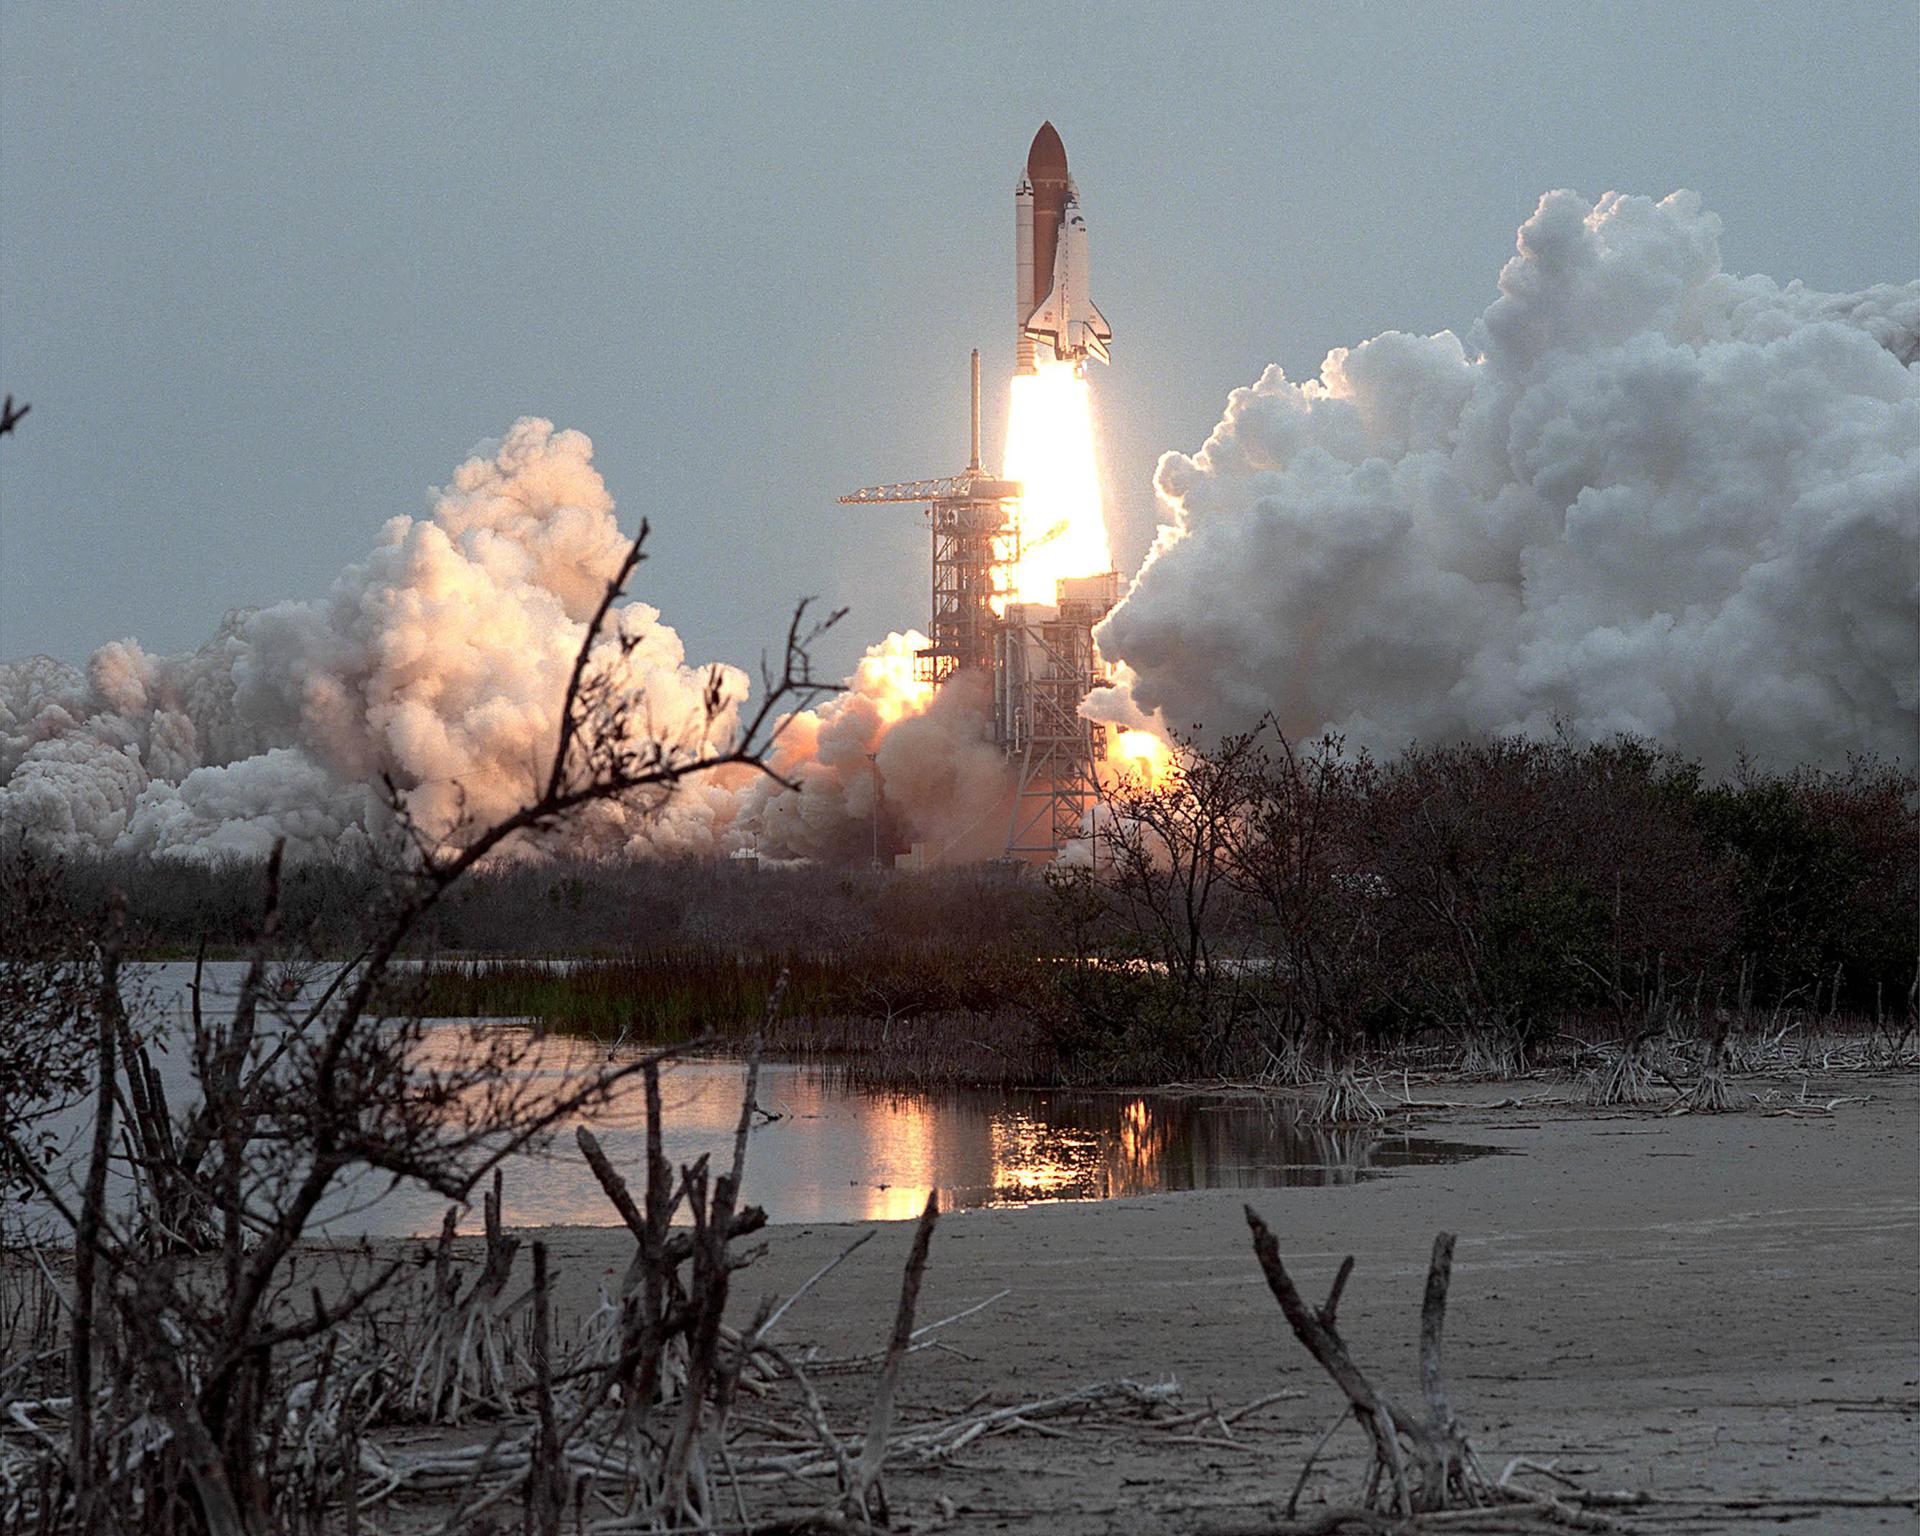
[268,272]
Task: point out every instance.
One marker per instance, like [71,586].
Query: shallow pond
[840,1152]
[836,1151]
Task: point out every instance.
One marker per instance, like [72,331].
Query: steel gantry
[1040,658]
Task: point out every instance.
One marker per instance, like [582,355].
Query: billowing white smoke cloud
[439,661]
[1644,496]
[926,755]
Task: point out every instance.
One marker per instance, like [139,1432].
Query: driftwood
[1343,1101]
[466,1360]
[1627,1078]
[1713,1093]
[867,1499]
[546,1483]
[1422,1463]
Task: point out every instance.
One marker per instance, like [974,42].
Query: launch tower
[1039,658]
[976,545]
[1045,667]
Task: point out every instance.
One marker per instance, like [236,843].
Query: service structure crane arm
[943,489]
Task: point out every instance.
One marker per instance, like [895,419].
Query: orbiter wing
[1066,318]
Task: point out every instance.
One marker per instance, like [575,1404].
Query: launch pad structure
[1039,659]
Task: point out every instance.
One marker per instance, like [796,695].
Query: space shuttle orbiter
[1054,315]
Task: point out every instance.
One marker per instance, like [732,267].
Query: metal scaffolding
[1039,657]
[1048,665]
[976,545]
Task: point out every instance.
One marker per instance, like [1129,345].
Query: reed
[673,994]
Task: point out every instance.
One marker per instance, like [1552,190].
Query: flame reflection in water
[838,1152]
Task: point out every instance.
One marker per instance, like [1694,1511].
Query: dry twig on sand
[867,1499]
[1421,1464]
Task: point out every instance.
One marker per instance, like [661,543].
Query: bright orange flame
[1140,756]
[1063,527]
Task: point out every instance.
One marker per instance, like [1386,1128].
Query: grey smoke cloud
[1642,495]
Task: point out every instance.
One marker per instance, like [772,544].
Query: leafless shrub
[1163,856]
[1342,1100]
[1293,856]
[191,1356]
[1626,1078]
[49,991]
[1713,1092]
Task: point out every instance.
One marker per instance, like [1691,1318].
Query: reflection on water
[1099,1146]
[837,1152]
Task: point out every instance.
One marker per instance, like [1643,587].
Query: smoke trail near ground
[889,756]
[1643,496]
[439,661]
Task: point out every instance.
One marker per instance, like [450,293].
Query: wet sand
[1690,1306]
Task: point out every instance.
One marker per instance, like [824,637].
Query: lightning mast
[976,545]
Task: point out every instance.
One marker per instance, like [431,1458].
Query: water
[839,1152]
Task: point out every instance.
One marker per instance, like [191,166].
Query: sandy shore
[1691,1306]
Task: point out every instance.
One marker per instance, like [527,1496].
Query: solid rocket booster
[1053,312]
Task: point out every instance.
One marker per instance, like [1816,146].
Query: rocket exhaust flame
[1063,530]
[1138,756]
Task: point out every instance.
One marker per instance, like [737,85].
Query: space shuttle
[1054,314]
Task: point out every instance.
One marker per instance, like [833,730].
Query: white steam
[888,755]
[439,661]
[1643,496]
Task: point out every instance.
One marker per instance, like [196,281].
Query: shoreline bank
[1691,1306]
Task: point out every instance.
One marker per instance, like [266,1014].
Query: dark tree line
[1270,907]
[611,907]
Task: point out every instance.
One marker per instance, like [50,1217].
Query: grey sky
[267,272]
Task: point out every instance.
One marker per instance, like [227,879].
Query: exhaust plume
[1050,451]
[439,661]
[888,755]
[1642,496]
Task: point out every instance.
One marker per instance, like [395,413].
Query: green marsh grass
[874,991]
